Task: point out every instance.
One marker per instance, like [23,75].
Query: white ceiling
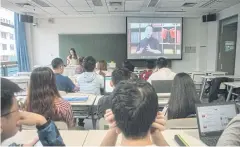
[68,8]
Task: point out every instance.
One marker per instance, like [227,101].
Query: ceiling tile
[133,5]
[83,8]
[59,3]
[78,3]
[171,4]
[53,10]
[100,10]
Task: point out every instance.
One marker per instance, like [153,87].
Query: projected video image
[153,40]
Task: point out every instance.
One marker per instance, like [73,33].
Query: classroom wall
[234,10]
[45,47]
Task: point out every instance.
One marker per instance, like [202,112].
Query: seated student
[79,68]
[44,99]
[101,67]
[105,102]
[231,135]
[183,98]
[63,82]
[162,73]
[89,81]
[12,119]
[128,65]
[135,114]
[148,72]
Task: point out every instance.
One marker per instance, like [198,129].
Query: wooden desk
[94,138]
[232,85]
[70,137]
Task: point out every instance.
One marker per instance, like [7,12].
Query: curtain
[21,45]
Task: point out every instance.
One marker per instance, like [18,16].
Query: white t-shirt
[162,74]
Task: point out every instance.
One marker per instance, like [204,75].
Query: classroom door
[227,46]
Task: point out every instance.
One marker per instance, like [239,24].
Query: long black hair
[42,92]
[74,53]
[183,97]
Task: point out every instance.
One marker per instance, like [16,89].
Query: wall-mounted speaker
[209,17]
[26,18]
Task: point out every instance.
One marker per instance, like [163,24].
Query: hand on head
[109,117]
[158,124]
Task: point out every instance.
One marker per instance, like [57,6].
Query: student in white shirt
[162,73]
[89,81]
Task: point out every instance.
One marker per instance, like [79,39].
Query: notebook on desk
[76,98]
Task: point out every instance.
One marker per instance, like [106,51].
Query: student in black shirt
[149,44]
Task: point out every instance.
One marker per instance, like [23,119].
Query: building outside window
[4,35]
[7,43]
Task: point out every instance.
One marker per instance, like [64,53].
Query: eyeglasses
[9,113]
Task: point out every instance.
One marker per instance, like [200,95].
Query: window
[11,36]
[4,35]
[4,47]
[11,47]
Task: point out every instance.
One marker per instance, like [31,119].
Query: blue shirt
[64,83]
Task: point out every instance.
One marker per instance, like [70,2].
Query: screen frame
[158,57]
[215,133]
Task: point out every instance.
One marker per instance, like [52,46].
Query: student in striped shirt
[44,98]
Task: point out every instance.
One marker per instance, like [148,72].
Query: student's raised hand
[31,119]
[109,117]
[159,123]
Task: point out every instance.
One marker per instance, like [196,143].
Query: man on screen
[149,44]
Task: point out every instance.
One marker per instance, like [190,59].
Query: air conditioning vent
[41,3]
[209,3]
[97,2]
[23,4]
[115,4]
[153,3]
[189,4]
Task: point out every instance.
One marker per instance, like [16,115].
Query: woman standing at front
[72,59]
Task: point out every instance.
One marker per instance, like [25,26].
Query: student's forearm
[158,139]
[110,138]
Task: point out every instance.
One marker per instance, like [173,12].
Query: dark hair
[120,74]
[74,53]
[162,62]
[42,92]
[127,64]
[57,62]
[8,88]
[81,60]
[103,65]
[150,64]
[135,106]
[89,64]
[183,97]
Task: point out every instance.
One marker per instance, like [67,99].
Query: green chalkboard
[101,46]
